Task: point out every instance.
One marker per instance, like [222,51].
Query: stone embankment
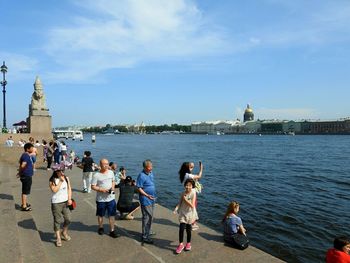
[28,236]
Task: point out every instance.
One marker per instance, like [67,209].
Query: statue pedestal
[40,126]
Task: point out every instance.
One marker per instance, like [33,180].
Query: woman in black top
[126,196]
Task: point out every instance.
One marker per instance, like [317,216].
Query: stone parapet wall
[25,136]
[11,155]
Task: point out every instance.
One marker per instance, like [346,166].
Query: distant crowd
[105,177]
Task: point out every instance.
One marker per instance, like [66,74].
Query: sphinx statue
[38,102]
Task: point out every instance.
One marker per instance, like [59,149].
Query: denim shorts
[110,207]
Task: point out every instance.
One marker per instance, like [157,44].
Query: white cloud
[127,33]
[121,34]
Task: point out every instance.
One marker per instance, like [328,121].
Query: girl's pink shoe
[188,247]
[180,248]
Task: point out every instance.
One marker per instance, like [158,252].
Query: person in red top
[341,251]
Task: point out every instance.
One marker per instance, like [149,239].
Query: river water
[294,191]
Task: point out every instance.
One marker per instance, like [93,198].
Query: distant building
[248,114]
[249,126]
[326,127]
[215,127]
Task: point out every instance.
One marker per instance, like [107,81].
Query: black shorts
[26,184]
[129,209]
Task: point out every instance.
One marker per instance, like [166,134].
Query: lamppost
[3,83]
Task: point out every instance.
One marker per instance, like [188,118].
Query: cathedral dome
[248,110]
[248,114]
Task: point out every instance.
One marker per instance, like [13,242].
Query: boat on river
[68,134]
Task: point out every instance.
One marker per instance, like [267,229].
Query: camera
[110,191]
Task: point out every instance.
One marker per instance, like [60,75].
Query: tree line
[147,129]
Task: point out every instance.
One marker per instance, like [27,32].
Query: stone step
[29,242]
[9,242]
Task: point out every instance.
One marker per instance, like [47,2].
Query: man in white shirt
[103,183]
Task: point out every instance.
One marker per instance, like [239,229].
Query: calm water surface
[294,191]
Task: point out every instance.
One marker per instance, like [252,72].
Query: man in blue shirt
[147,195]
[25,173]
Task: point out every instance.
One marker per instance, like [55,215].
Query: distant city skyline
[178,61]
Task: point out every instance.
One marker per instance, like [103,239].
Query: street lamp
[3,83]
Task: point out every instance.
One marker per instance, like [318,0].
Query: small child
[72,157]
[233,225]
[186,172]
[187,214]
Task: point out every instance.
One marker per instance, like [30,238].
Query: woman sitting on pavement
[126,196]
[60,200]
[234,231]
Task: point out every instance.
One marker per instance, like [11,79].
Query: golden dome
[248,109]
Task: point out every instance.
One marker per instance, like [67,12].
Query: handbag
[240,241]
[73,205]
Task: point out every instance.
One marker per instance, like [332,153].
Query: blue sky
[177,61]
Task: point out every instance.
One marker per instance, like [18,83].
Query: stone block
[40,126]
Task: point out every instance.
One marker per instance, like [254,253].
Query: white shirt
[188,176]
[103,181]
[62,194]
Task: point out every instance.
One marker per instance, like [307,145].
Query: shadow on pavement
[79,226]
[27,223]
[6,197]
[47,236]
[160,221]
[163,221]
[158,242]
[19,207]
[209,237]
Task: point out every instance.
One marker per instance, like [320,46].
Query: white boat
[68,134]
[109,131]
[78,135]
[93,138]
